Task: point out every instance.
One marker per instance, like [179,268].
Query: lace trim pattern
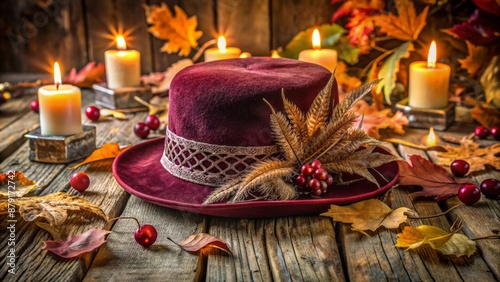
[209,164]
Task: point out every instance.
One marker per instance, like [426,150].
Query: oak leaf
[368,215]
[15,184]
[90,74]
[435,180]
[406,25]
[373,120]
[203,241]
[106,152]
[76,245]
[470,151]
[179,30]
[440,240]
[475,59]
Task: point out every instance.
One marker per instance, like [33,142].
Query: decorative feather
[222,193]
[352,140]
[297,119]
[319,111]
[278,189]
[352,98]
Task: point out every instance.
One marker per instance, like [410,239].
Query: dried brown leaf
[76,245]
[475,59]
[477,157]
[486,115]
[15,184]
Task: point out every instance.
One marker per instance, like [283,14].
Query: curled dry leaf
[106,152]
[161,81]
[77,244]
[368,215]
[105,113]
[440,240]
[200,241]
[14,185]
[435,180]
[373,120]
[478,158]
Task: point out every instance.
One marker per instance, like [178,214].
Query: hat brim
[139,171]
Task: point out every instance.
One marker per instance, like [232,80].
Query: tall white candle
[221,52]
[429,82]
[324,57]
[60,107]
[123,67]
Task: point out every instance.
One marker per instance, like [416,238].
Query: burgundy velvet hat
[218,127]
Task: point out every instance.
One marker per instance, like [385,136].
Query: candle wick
[57,86]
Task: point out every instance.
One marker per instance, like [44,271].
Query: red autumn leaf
[77,244]
[489,6]
[435,180]
[480,29]
[87,76]
[200,241]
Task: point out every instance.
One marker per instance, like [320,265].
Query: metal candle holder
[60,149]
[122,98]
[440,119]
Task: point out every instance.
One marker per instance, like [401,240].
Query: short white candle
[123,67]
[324,57]
[221,52]
[429,82]
[60,107]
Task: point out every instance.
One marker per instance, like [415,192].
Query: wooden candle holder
[440,119]
[122,98]
[61,149]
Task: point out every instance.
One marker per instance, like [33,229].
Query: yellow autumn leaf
[440,240]
[179,30]
[368,215]
[406,25]
[15,184]
[106,152]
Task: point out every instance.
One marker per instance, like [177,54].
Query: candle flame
[57,74]
[275,54]
[316,39]
[431,58]
[221,43]
[120,43]
[245,55]
[431,139]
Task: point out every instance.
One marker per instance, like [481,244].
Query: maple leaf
[470,152]
[474,61]
[179,30]
[90,74]
[406,25]
[76,245]
[202,241]
[440,240]
[368,215]
[106,152]
[361,25]
[373,120]
[435,180]
[14,185]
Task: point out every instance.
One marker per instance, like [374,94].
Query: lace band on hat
[209,164]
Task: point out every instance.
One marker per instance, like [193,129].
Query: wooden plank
[290,248]
[245,24]
[122,258]
[289,17]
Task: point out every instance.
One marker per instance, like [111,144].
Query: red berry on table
[482,132]
[152,122]
[301,181]
[307,170]
[316,164]
[495,131]
[490,187]
[93,113]
[145,235]
[469,194]
[35,106]
[141,130]
[79,181]
[459,167]
[314,184]
[329,180]
[321,174]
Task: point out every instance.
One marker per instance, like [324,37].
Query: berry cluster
[150,123]
[313,178]
[482,132]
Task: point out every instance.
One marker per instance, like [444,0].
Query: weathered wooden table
[298,248]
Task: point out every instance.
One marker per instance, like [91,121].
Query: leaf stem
[202,49]
[126,217]
[486,237]
[431,216]
[174,242]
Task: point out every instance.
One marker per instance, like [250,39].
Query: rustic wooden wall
[34,33]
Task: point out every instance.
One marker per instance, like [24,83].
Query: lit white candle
[324,57]
[429,82]
[221,52]
[60,107]
[123,67]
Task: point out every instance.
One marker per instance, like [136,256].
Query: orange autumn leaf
[202,241]
[179,30]
[106,152]
[474,60]
[15,184]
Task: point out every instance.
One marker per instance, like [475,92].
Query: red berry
[79,181]
[307,170]
[141,130]
[321,174]
[469,194]
[459,167]
[329,180]
[490,187]
[482,132]
[152,122]
[145,235]
[93,113]
[324,186]
[301,181]
[316,164]
[314,184]
[495,131]
[35,106]
[316,192]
